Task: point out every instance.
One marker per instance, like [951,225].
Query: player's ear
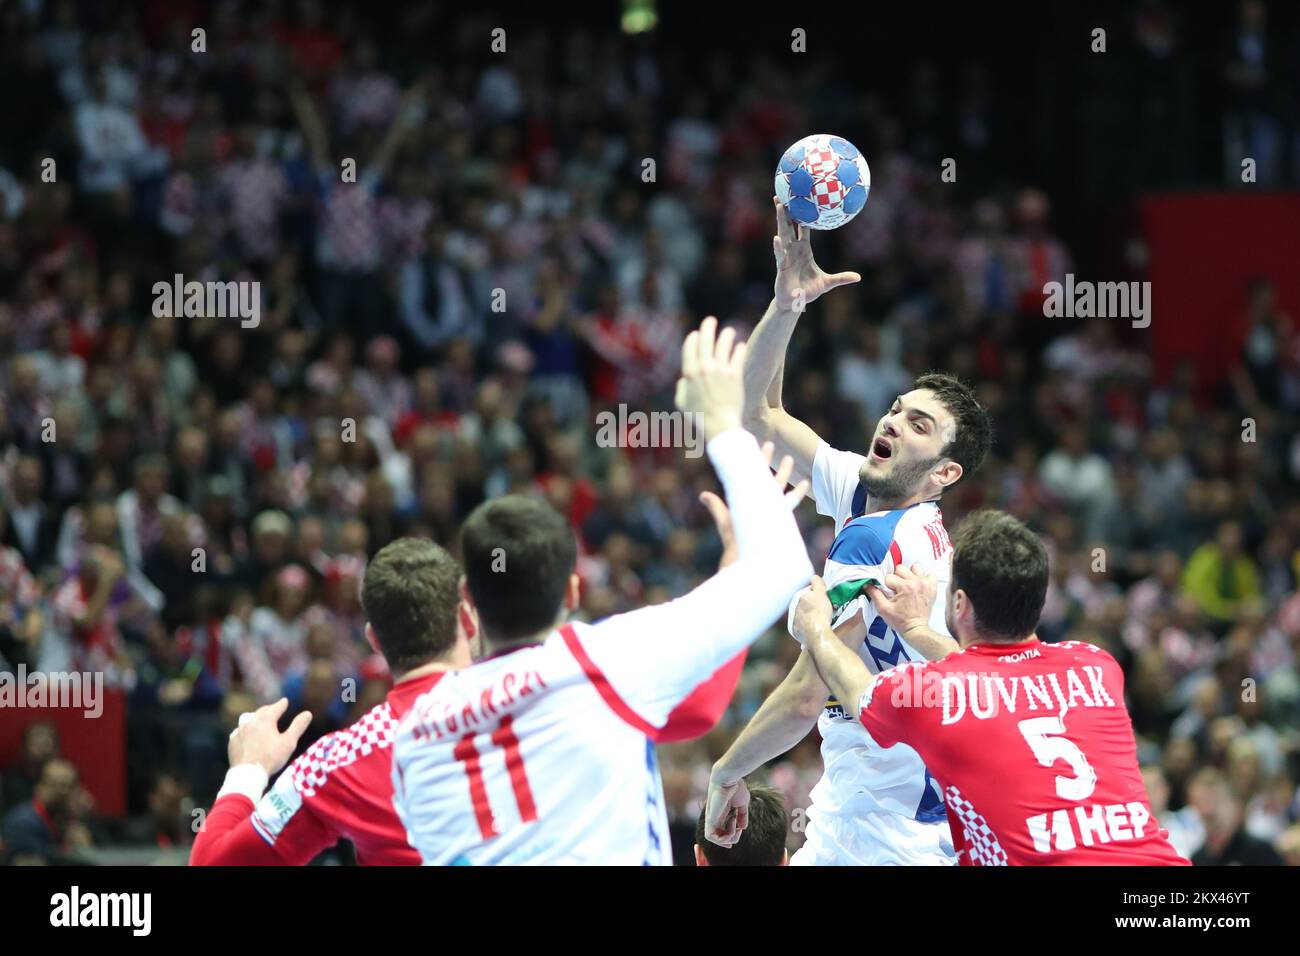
[948,473]
[785,858]
[573,594]
[465,595]
[700,859]
[962,609]
[371,639]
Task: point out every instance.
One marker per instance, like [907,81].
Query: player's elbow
[810,706]
[805,698]
[758,418]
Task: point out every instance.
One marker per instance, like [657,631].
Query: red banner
[1205,249]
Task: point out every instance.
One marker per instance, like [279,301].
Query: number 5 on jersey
[1042,735]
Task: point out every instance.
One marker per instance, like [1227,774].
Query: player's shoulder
[866,539]
[921,534]
[847,463]
[1084,651]
[340,750]
[904,683]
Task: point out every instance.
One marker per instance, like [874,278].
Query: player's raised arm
[799,281]
[701,711]
[842,669]
[654,657]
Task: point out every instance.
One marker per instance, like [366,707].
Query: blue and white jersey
[874,805]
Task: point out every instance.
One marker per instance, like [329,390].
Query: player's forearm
[678,645]
[762,523]
[842,669]
[783,720]
[932,645]
[219,841]
[764,359]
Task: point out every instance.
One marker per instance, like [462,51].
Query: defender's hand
[813,612]
[257,740]
[712,385]
[912,599]
[799,280]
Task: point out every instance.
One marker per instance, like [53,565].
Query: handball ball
[823,181]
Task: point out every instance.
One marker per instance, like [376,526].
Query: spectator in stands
[51,824]
[1221,576]
[1226,841]
[40,745]
[165,824]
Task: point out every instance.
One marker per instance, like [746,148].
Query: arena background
[1160,464]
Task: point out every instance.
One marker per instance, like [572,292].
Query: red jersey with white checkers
[342,787]
[544,754]
[1034,750]
[339,788]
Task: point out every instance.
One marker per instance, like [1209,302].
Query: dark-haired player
[1031,742]
[761,844]
[544,751]
[872,806]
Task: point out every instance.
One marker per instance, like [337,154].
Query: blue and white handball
[823,181]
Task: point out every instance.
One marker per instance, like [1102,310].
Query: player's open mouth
[881,448]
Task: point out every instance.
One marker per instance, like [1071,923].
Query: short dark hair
[762,843]
[410,593]
[518,553]
[1002,566]
[970,445]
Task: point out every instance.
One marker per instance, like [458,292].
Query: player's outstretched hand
[726,811]
[799,280]
[258,740]
[722,515]
[812,613]
[712,385]
[911,597]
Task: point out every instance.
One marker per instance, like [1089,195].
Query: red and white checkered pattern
[981,843]
[344,747]
[828,192]
[821,162]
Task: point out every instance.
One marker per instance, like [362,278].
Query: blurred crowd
[189,503]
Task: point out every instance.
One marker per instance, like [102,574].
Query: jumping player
[871,806]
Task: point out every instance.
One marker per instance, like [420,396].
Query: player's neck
[424,670]
[875,504]
[973,638]
[493,647]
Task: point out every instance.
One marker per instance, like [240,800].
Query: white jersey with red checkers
[544,754]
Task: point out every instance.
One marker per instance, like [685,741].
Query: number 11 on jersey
[503,737]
